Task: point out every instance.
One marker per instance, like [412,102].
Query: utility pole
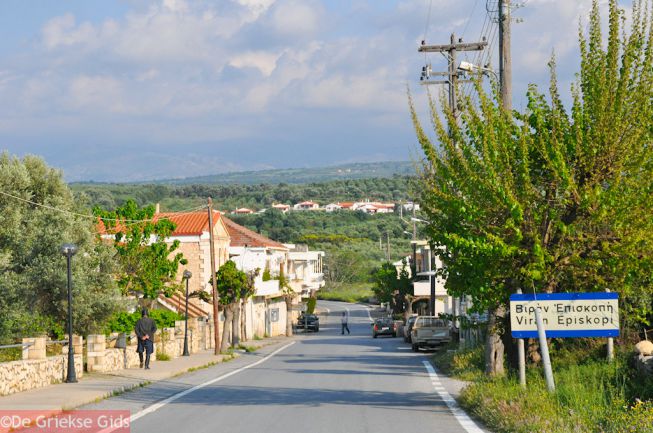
[414,245]
[214,282]
[505,58]
[387,234]
[505,81]
[452,71]
[452,82]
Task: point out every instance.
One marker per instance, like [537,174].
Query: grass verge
[591,394]
[346,293]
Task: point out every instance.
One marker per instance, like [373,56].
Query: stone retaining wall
[102,359]
[17,376]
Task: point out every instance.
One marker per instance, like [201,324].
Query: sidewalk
[93,387]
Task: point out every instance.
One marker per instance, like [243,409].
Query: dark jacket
[145,326]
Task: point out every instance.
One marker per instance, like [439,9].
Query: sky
[131,90]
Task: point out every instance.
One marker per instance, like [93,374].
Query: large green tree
[37,216]
[551,199]
[148,264]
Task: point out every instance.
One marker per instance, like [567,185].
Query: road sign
[566,314]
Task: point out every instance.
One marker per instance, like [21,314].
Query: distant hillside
[232,196]
[301,175]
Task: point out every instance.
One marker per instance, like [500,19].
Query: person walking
[343,322]
[145,329]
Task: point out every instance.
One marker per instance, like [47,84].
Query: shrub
[310,305]
[125,322]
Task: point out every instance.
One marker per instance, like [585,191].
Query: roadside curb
[94,388]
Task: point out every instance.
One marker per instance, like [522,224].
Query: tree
[38,215]
[232,283]
[390,286]
[288,295]
[248,292]
[550,199]
[385,282]
[345,266]
[146,267]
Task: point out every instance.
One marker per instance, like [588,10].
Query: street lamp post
[187,275]
[69,251]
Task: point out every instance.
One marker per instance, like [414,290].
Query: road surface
[322,382]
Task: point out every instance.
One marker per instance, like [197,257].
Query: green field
[357,292]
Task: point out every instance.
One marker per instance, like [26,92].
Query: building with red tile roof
[306,205]
[193,233]
[241,236]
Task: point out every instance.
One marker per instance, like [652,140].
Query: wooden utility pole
[387,234]
[505,58]
[214,283]
[505,81]
[452,71]
[452,81]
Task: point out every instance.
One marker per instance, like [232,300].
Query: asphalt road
[322,382]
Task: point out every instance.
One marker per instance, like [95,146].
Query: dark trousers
[344,326]
[146,346]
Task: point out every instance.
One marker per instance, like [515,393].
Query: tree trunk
[235,325]
[409,307]
[288,300]
[494,346]
[228,319]
[243,321]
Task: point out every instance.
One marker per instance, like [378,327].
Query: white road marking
[368,313]
[464,420]
[179,395]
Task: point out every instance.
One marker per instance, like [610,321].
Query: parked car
[429,331]
[409,327]
[384,326]
[308,321]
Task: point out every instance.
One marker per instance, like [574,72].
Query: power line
[469,19]
[94,217]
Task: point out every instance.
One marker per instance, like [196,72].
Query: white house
[306,205]
[373,207]
[265,312]
[428,263]
[332,207]
[410,205]
[282,207]
[305,269]
[243,211]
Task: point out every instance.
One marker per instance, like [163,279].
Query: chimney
[157,209]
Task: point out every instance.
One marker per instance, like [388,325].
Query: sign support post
[544,349]
[610,344]
[521,354]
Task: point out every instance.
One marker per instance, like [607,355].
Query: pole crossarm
[463,46]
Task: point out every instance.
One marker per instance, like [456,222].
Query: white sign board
[566,314]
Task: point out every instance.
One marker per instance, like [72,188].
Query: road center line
[464,420]
[368,313]
[179,395]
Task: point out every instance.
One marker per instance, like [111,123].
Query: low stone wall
[18,376]
[101,359]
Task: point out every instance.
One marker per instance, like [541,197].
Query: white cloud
[176,5]
[63,31]
[96,92]
[296,18]
[264,61]
[178,72]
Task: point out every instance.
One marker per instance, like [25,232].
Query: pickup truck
[429,331]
